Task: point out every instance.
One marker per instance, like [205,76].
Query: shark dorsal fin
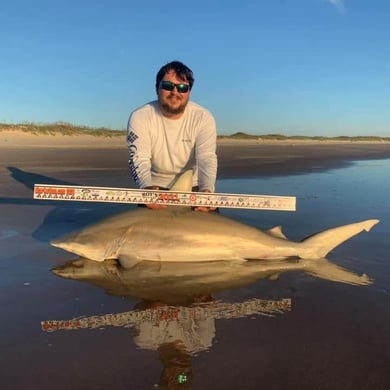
[183,182]
[276,232]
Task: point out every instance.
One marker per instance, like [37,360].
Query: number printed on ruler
[127,195]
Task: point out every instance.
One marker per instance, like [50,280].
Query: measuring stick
[176,198]
[180,314]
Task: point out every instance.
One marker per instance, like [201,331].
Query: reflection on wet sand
[179,282]
[157,312]
[177,333]
[170,291]
[177,313]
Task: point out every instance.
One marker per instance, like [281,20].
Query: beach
[333,335]
[236,158]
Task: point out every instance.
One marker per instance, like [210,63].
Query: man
[172,134]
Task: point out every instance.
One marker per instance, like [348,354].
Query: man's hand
[158,206]
[155,206]
[205,209]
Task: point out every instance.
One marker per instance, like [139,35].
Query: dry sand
[237,158]
[21,139]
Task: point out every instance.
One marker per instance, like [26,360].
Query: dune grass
[280,137]
[64,128]
[61,128]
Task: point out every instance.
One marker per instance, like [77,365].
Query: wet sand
[303,347]
[236,158]
[284,158]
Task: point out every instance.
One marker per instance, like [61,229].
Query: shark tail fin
[320,244]
[322,268]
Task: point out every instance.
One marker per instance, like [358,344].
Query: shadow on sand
[66,216]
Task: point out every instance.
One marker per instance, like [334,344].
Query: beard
[173,110]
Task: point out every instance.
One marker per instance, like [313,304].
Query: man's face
[173,102]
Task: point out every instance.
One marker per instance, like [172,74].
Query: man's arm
[206,157]
[139,145]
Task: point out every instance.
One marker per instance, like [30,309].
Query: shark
[181,234]
[177,283]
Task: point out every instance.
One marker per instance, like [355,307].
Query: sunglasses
[169,86]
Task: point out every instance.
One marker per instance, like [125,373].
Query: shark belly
[195,236]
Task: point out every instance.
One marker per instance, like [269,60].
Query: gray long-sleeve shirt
[160,149]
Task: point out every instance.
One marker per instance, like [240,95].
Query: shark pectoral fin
[128,261]
[111,267]
[276,232]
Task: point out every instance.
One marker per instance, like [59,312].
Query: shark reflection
[176,314]
[177,283]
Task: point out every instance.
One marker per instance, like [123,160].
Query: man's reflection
[176,333]
[175,341]
[176,313]
[177,368]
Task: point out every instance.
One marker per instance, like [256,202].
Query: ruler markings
[178,198]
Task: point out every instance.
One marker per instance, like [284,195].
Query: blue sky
[293,67]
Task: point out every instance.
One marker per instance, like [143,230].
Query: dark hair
[183,72]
